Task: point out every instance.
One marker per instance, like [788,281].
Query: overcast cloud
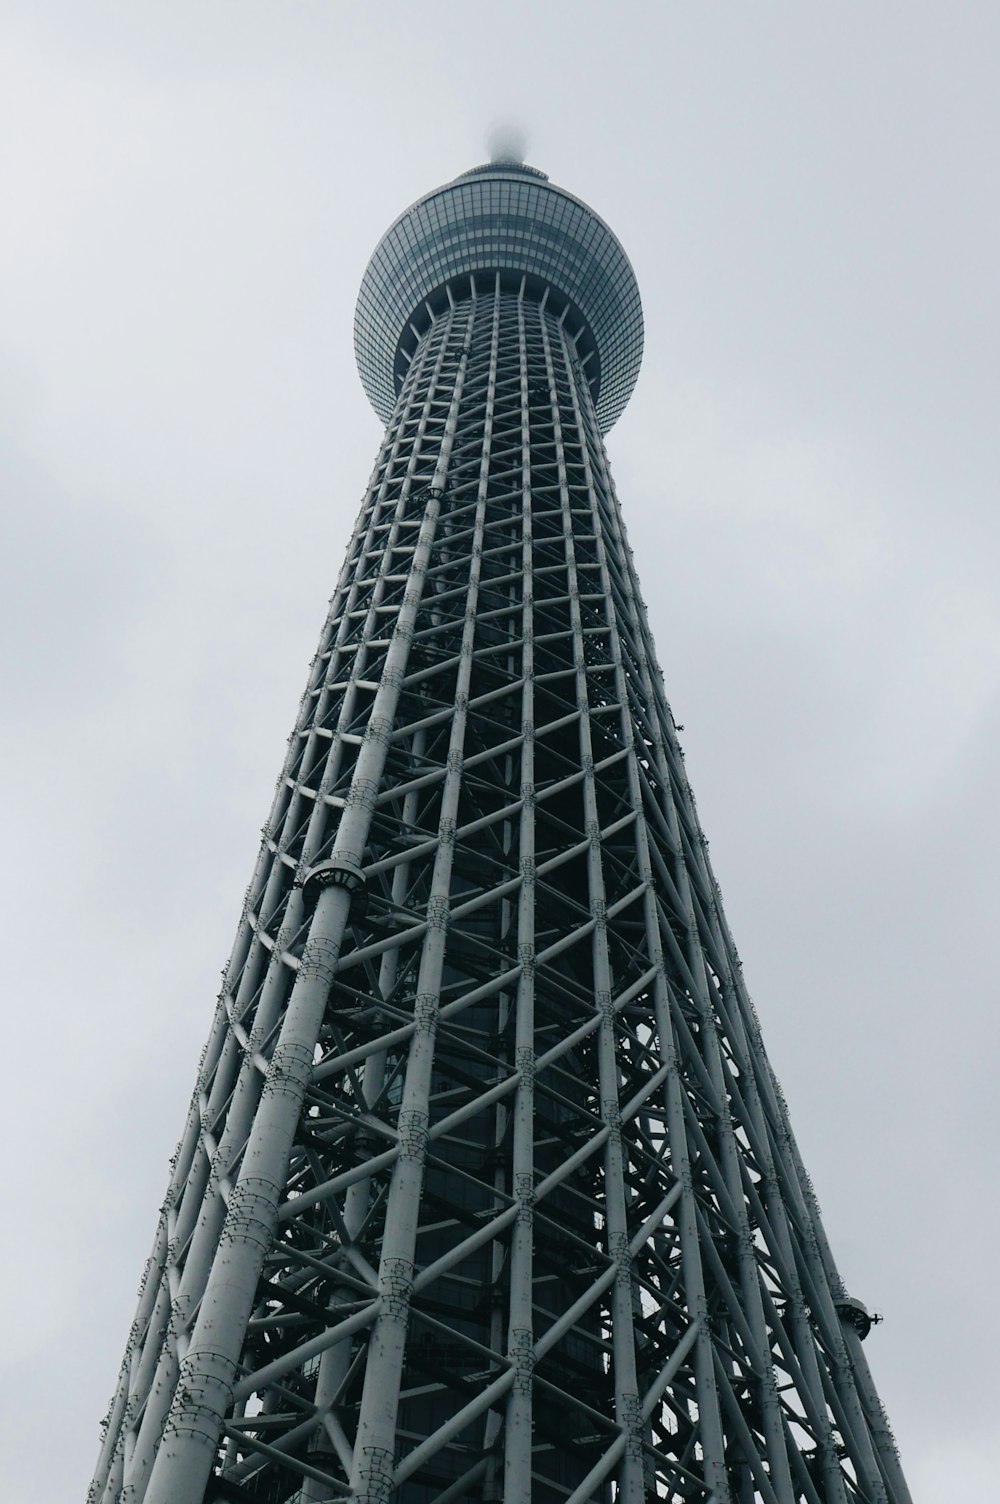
[808,469]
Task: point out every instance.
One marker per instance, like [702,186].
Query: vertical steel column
[617,1231]
[520,1331]
[375,1446]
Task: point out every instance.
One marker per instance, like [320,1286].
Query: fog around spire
[507,141]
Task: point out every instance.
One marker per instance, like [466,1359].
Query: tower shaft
[487,1190]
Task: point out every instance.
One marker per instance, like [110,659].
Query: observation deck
[506,218]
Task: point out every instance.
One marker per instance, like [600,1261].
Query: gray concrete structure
[487,1190]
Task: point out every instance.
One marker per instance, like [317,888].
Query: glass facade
[504,218]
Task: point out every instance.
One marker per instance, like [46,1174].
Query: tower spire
[507,142]
[487,1190]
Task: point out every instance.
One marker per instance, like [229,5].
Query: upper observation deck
[503,217]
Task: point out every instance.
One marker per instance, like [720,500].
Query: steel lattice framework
[487,1190]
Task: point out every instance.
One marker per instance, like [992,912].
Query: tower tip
[507,142]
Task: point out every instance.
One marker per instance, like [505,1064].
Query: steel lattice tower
[487,1190]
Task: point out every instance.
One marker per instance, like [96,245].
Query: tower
[487,1190]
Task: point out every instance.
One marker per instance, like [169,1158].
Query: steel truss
[487,1190]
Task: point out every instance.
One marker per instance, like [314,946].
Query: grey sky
[809,475]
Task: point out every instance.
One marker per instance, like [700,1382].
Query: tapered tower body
[487,1190]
